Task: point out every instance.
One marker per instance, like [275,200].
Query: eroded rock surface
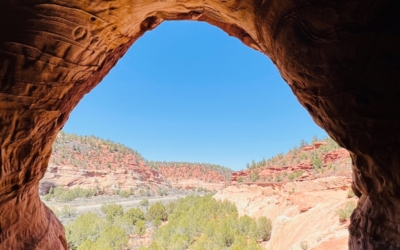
[303,213]
[340,58]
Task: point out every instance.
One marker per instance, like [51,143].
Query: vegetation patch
[193,222]
[65,195]
[345,213]
[204,223]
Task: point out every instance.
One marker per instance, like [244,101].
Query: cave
[341,59]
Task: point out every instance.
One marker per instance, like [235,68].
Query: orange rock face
[304,169]
[108,167]
[341,59]
[107,181]
[186,177]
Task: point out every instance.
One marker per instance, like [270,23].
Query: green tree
[254,176]
[156,211]
[170,208]
[111,238]
[133,215]
[224,234]
[264,228]
[157,223]
[247,226]
[314,140]
[350,193]
[317,163]
[140,228]
[203,223]
[112,211]
[303,143]
[86,245]
[86,226]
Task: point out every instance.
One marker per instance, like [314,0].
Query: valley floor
[93,204]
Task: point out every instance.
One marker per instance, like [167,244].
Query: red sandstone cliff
[322,159]
[92,162]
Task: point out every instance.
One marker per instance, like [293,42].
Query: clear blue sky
[187,91]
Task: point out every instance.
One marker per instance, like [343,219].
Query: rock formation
[90,162]
[297,164]
[302,212]
[340,58]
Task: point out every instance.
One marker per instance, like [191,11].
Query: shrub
[67,211]
[157,222]
[156,211]
[86,226]
[47,197]
[111,238]
[133,215]
[350,193]
[122,223]
[111,211]
[345,213]
[224,235]
[162,192]
[140,228]
[317,163]
[241,243]
[144,202]
[254,176]
[304,245]
[170,208]
[264,228]
[247,226]
[294,175]
[69,195]
[199,223]
[81,192]
[124,193]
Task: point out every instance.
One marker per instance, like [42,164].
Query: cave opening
[341,62]
[191,97]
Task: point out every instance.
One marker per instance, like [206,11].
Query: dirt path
[128,203]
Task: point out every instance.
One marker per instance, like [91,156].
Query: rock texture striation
[340,58]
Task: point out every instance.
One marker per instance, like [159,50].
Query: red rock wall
[340,58]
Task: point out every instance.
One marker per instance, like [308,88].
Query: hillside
[108,167]
[190,175]
[305,192]
[320,158]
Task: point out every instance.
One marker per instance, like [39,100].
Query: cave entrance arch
[340,59]
[203,94]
